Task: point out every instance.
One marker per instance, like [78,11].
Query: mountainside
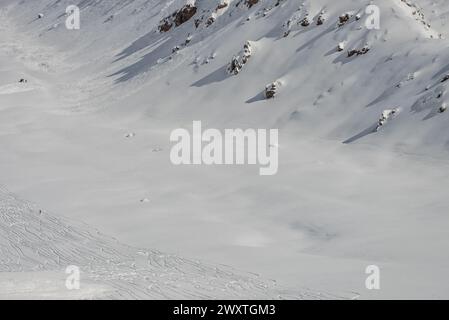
[363,144]
[121,45]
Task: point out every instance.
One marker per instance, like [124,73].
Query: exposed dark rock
[320,20]
[385,116]
[359,52]
[210,21]
[221,6]
[177,18]
[344,18]
[184,14]
[165,26]
[239,61]
[271,90]
[305,22]
[251,3]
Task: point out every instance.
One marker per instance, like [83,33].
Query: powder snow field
[87,138]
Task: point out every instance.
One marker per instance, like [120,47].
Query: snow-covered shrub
[443,108]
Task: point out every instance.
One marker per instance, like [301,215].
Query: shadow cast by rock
[258,97]
[370,130]
[217,76]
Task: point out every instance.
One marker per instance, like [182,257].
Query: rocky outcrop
[250,3]
[358,52]
[385,116]
[341,46]
[321,19]
[344,18]
[222,6]
[177,18]
[306,21]
[239,61]
[271,90]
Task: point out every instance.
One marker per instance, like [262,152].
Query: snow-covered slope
[36,248]
[358,184]
[120,45]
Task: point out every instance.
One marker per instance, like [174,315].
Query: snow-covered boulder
[364,50]
[272,89]
[344,18]
[306,21]
[239,61]
[385,116]
[321,19]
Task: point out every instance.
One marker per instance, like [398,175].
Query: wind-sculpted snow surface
[33,241]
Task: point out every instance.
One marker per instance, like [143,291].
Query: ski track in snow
[15,88]
[35,242]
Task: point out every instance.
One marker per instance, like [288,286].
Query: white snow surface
[347,194]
